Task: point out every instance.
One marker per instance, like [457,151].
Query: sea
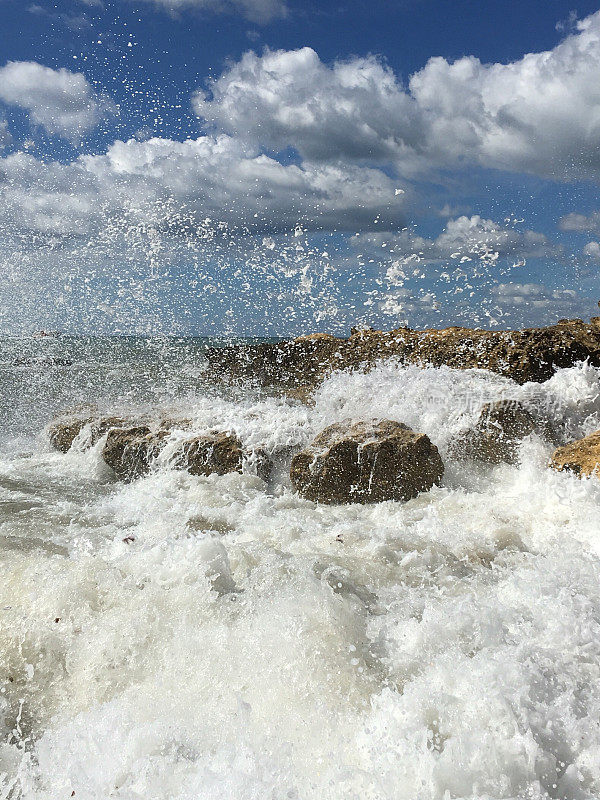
[221,638]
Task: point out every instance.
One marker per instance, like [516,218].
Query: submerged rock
[532,354]
[496,435]
[366,462]
[581,457]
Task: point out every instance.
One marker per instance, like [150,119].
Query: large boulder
[496,435]
[366,462]
[132,444]
[581,457]
[130,452]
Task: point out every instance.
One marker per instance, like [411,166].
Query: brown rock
[130,451]
[532,354]
[65,429]
[302,393]
[366,462]
[316,337]
[218,453]
[581,457]
[63,433]
[497,433]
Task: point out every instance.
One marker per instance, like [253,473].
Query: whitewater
[220,638]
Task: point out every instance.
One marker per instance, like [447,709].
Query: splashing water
[220,637]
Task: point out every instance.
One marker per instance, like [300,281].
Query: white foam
[220,638]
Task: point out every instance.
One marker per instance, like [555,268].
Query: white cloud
[60,101]
[5,135]
[592,250]
[354,110]
[581,223]
[537,296]
[174,183]
[466,243]
[540,114]
[259,11]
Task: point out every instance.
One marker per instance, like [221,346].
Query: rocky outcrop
[66,428]
[496,435]
[366,462]
[532,354]
[581,457]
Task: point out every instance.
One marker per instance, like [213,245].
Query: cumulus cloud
[259,11]
[60,101]
[5,135]
[537,296]
[537,115]
[581,223]
[592,251]
[175,183]
[472,241]
[353,110]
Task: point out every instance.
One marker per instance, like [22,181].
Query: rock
[64,430]
[532,354]
[581,457]
[496,435]
[218,453]
[366,462]
[304,394]
[132,444]
[129,451]
[69,424]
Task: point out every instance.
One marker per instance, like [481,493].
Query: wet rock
[581,457]
[304,394]
[496,435]
[218,453]
[63,433]
[299,362]
[366,462]
[130,451]
[532,354]
[64,430]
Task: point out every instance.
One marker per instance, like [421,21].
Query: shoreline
[530,354]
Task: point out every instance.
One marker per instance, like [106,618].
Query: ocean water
[221,638]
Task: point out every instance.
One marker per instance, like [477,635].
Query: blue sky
[261,166]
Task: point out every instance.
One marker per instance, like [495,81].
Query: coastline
[530,354]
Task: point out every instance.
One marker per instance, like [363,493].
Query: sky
[275,167]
